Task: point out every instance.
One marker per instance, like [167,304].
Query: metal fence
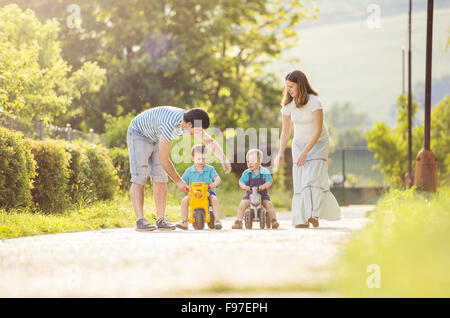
[353,167]
[39,130]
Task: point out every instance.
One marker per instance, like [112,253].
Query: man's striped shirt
[163,120]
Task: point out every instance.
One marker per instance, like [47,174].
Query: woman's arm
[317,126]
[286,129]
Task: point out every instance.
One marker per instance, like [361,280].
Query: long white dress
[312,196]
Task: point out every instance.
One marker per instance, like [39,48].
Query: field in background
[351,62]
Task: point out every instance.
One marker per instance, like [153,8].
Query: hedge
[101,179]
[17,168]
[50,192]
[121,162]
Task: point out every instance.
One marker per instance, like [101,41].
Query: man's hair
[259,153]
[199,148]
[197,116]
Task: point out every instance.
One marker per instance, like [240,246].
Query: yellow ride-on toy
[200,211]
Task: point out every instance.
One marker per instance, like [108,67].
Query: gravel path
[126,263]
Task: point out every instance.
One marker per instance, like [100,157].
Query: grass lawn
[405,247]
[112,214]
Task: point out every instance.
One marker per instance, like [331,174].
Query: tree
[391,145]
[187,53]
[347,125]
[35,81]
[440,138]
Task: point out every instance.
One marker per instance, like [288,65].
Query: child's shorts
[264,195]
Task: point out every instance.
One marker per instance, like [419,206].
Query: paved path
[126,263]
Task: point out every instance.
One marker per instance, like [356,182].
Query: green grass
[408,238]
[114,213]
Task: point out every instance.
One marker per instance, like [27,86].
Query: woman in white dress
[312,198]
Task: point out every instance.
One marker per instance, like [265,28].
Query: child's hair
[258,152]
[199,148]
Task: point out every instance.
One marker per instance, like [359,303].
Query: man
[149,139]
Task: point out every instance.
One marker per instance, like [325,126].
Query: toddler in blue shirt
[201,172]
[255,176]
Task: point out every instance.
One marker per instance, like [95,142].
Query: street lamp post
[409,177]
[426,161]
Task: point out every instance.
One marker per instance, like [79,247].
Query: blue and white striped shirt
[163,120]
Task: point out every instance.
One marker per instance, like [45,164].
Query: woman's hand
[278,160]
[302,159]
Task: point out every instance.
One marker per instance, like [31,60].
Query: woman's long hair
[304,89]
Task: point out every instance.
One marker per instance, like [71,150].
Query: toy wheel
[248,220]
[211,220]
[268,223]
[199,220]
[262,219]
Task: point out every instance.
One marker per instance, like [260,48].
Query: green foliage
[114,213]
[50,192]
[199,53]
[101,179]
[121,161]
[346,125]
[116,130]
[34,78]
[17,168]
[440,139]
[391,145]
[407,238]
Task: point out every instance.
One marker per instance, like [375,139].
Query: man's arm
[164,152]
[214,147]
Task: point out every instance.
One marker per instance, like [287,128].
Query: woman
[312,197]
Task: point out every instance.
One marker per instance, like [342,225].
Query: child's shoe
[217,224]
[275,223]
[184,225]
[237,225]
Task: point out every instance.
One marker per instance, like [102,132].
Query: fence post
[69,132]
[91,136]
[41,129]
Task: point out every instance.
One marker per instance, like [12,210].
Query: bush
[121,161]
[100,177]
[16,170]
[77,186]
[50,193]
[116,130]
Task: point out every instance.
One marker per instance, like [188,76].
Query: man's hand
[182,186]
[247,188]
[261,188]
[226,166]
[212,186]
